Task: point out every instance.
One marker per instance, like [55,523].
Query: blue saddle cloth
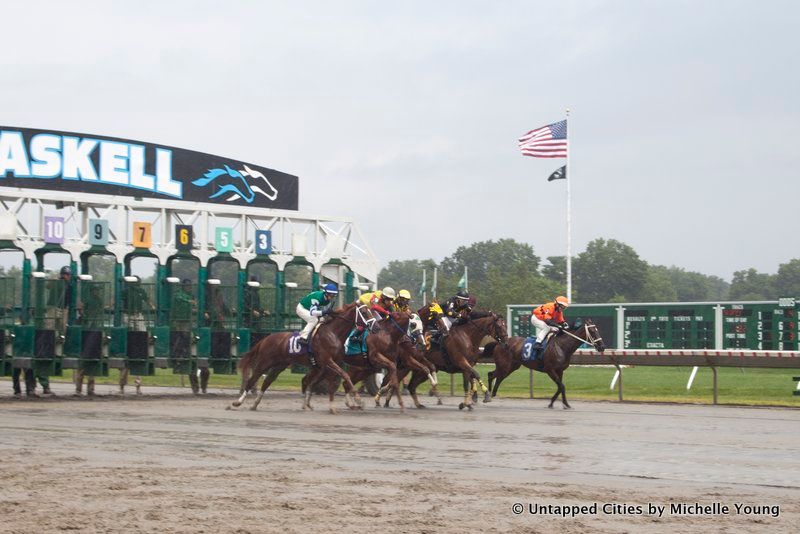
[527,352]
[353,347]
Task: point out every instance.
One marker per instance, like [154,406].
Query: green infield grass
[646,384]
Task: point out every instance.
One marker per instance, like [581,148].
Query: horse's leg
[308,383]
[394,383]
[477,378]
[563,389]
[501,372]
[417,378]
[467,403]
[272,374]
[554,377]
[348,386]
[255,372]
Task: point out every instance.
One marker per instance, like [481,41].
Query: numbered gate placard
[54,230]
[263,241]
[224,240]
[183,237]
[142,235]
[98,232]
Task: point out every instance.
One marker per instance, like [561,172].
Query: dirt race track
[172,462]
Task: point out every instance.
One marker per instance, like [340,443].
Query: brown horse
[271,357]
[390,344]
[556,357]
[461,353]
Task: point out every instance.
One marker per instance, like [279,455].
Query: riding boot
[536,350]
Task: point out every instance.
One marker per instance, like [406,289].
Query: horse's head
[415,329]
[589,331]
[498,329]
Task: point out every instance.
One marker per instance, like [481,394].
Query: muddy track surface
[172,462]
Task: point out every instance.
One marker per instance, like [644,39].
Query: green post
[240,297]
[349,291]
[26,291]
[162,295]
[117,294]
[314,281]
[280,299]
[74,285]
[202,278]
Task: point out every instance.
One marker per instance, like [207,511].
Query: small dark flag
[559,174]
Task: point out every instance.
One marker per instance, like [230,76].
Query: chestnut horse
[271,357]
[461,353]
[392,342]
[556,357]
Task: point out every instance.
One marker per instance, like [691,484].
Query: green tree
[752,285]
[658,286]
[557,270]
[607,270]
[787,281]
[503,254]
[407,274]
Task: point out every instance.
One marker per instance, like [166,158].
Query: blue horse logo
[231,182]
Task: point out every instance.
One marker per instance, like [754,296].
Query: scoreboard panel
[673,327]
[685,325]
[760,326]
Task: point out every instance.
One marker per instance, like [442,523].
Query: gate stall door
[260,315]
[182,297]
[298,279]
[221,316]
[11,261]
[138,315]
[52,313]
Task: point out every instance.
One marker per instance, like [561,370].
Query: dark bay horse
[461,353]
[556,357]
[271,357]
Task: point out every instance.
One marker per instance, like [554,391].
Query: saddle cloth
[527,351]
[295,348]
[353,347]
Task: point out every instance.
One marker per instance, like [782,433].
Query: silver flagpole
[568,175]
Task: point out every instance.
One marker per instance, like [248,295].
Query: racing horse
[457,352]
[391,343]
[271,357]
[556,357]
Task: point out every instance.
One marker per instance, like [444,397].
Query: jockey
[381,301]
[315,305]
[549,317]
[401,303]
[456,308]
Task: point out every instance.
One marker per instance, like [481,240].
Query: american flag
[546,142]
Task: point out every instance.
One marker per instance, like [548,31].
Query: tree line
[509,272]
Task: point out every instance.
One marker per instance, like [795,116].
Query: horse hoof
[461,406]
[440,403]
[253,408]
[307,407]
[487,399]
[235,404]
[421,406]
[469,407]
[333,411]
[567,407]
[550,406]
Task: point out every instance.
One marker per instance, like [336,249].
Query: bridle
[591,339]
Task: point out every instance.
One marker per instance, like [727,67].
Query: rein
[589,339]
[404,333]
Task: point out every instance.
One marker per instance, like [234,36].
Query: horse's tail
[246,361]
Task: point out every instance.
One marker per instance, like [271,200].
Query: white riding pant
[541,327]
[310,320]
[448,323]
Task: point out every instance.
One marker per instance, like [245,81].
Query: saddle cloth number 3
[526,350]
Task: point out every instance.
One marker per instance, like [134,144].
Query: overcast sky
[405,115]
